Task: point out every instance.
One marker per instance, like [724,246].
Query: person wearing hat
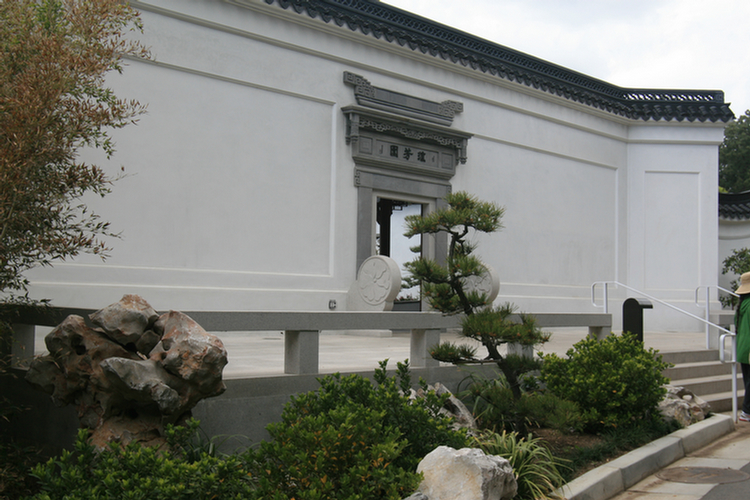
[742,329]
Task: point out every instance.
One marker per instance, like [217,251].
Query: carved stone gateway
[132,374]
[403,133]
[402,146]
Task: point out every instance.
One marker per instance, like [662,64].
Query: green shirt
[742,325]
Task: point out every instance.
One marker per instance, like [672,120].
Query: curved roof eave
[419,34]
[734,206]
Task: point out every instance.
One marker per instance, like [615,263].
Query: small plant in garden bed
[583,452]
[417,420]
[495,408]
[538,472]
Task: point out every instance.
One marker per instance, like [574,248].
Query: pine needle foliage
[446,290]
[444,285]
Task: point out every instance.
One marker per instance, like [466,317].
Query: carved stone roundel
[377,280]
[488,284]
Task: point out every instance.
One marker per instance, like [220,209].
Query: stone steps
[684,371]
[702,373]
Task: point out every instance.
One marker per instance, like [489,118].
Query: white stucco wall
[239,191]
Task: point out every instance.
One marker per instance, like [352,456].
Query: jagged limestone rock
[127,320]
[683,405]
[453,407]
[134,374]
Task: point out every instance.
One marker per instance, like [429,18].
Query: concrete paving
[685,465]
[712,472]
[253,354]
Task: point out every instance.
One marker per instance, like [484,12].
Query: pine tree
[444,286]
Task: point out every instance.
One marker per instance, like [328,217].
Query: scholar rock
[453,407]
[127,320]
[144,381]
[456,409]
[73,366]
[682,405]
[466,474]
[134,374]
[187,351]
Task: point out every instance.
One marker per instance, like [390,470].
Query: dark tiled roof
[419,34]
[734,206]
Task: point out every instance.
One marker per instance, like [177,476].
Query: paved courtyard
[262,353]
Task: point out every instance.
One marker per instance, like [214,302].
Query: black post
[632,316]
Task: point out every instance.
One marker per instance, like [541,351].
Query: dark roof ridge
[734,206]
[429,37]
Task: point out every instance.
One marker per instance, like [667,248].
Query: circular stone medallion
[702,475]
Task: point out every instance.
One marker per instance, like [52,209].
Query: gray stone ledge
[617,476]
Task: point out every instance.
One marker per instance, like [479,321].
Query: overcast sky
[673,44]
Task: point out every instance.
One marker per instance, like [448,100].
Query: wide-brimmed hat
[744,284]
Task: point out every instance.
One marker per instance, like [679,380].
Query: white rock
[466,474]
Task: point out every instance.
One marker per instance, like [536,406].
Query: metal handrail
[722,356]
[650,297]
[722,338]
[708,305]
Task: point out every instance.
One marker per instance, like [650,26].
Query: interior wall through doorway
[390,240]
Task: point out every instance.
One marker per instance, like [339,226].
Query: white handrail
[722,356]
[617,283]
[722,338]
[708,305]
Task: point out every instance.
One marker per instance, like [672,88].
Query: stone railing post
[421,341]
[597,332]
[301,349]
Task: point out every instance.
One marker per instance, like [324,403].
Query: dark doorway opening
[391,242]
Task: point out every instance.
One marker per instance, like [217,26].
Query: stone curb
[608,480]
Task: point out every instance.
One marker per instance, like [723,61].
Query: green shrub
[417,420]
[190,443]
[495,408]
[352,439]
[491,401]
[615,442]
[538,472]
[548,410]
[615,381]
[136,472]
[344,453]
